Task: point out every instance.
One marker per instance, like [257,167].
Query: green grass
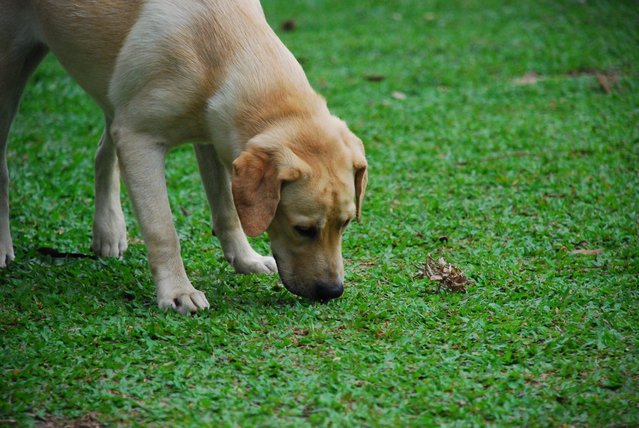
[515,176]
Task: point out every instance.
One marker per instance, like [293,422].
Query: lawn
[502,136]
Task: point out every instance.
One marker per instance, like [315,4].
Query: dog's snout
[326,292]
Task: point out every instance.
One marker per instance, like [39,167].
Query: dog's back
[153,39]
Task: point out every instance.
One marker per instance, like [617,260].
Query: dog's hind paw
[6,254]
[184,301]
[104,248]
[109,244]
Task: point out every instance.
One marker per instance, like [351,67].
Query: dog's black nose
[326,292]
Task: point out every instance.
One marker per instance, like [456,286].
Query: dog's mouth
[296,291]
[287,281]
[317,291]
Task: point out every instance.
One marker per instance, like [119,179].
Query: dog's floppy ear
[258,174]
[361,180]
[360,166]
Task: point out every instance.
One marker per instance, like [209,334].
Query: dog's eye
[306,231]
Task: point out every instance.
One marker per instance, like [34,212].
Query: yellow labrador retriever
[211,72]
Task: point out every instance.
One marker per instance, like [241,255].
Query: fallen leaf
[606,80]
[374,77]
[398,95]
[288,25]
[429,16]
[585,252]
[529,78]
[447,276]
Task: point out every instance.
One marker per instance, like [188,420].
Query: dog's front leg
[141,159]
[226,224]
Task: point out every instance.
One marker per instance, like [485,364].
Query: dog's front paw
[109,240]
[183,300]
[6,253]
[254,263]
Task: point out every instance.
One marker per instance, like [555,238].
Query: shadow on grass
[47,276]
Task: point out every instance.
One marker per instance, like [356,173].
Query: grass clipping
[447,276]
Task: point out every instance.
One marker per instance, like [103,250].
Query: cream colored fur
[210,72]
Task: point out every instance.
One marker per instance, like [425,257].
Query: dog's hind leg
[109,227]
[20,53]
[226,223]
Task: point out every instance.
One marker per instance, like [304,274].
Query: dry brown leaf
[300,332]
[447,276]
[606,80]
[288,25]
[529,78]
[374,77]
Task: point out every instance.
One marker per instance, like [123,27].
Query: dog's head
[303,185]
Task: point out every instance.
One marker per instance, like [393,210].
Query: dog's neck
[235,117]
